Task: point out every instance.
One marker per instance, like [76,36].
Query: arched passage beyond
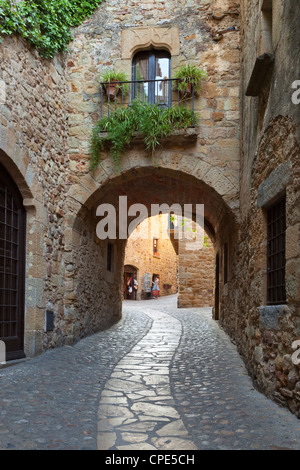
[96,295]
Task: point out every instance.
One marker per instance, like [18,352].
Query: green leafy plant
[46,24]
[112,77]
[150,120]
[190,74]
[184,222]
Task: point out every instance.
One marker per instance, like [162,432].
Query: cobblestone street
[162,379]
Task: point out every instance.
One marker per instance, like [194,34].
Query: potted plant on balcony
[111,82]
[189,75]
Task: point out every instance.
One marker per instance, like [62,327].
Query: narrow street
[162,379]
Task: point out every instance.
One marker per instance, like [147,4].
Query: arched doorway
[12,266]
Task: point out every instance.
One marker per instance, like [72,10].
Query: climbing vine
[46,24]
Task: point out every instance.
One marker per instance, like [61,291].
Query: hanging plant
[111,79]
[150,120]
[189,76]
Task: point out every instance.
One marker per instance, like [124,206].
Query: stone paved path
[162,379]
[137,410]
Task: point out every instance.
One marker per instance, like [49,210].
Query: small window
[151,70]
[276,219]
[110,257]
[155,246]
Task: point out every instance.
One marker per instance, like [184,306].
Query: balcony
[143,113]
[165,93]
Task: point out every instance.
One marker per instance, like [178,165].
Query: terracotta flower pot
[111,90]
[187,90]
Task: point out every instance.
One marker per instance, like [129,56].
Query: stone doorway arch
[92,297]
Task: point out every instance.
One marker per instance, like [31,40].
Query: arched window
[151,70]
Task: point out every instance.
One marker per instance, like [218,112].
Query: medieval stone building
[59,282]
[149,254]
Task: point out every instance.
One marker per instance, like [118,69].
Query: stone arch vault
[93,294]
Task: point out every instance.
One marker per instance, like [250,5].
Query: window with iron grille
[276,219]
[12,266]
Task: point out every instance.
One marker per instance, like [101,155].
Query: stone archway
[93,300]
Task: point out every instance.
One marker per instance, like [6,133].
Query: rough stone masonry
[230,163]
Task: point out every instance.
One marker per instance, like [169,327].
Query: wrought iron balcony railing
[162,92]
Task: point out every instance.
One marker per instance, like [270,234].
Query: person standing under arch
[155,288]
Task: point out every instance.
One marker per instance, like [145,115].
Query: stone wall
[100,43]
[33,132]
[46,121]
[188,272]
[270,165]
[196,276]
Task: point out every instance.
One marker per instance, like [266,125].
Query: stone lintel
[135,39]
[274,185]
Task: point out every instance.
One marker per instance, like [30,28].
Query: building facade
[150,251]
[153,250]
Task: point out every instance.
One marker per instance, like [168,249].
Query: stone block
[292,241]
[270,315]
[217,116]
[33,343]
[79,193]
[274,185]
[35,292]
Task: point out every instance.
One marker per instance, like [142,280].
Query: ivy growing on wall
[46,24]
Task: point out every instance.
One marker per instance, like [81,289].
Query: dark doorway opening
[130,274]
[12,266]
